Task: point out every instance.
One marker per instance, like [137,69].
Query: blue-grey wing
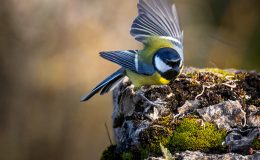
[128,59]
[156,18]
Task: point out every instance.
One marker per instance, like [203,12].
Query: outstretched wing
[157,18]
[129,60]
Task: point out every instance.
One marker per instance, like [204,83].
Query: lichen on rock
[243,140]
[204,111]
[226,115]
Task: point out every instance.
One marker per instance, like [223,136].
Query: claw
[155,103]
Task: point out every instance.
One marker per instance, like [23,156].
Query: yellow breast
[141,80]
[146,55]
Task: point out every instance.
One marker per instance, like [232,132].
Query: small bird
[160,61]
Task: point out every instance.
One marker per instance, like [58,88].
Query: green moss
[136,153]
[256,144]
[144,153]
[167,122]
[155,148]
[127,156]
[241,76]
[218,71]
[191,75]
[190,135]
[160,133]
[110,154]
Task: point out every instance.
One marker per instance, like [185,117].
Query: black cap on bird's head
[168,63]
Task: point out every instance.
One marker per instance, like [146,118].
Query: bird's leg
[143,97]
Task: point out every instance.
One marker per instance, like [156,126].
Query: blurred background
[49,59]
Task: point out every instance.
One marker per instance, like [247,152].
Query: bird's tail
[106,85]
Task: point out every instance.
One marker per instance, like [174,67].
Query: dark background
[49,59]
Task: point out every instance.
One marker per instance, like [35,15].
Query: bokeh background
[49,59]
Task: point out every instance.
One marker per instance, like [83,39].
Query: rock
[253,116]
[240,140]
[226,115]
[188,107]
[188,155]
[202,107]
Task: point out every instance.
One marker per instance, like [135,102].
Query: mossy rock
[193,136]
[141,127]
[159,133]
[189,134]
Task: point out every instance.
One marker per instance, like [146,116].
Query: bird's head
[168,63]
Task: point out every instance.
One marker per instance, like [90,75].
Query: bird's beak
[174,73]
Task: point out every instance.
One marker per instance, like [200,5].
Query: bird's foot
[146,100]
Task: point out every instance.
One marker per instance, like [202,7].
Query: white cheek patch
[160,65]
[180,64]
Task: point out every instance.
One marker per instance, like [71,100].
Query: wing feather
[156,18]
[129,60]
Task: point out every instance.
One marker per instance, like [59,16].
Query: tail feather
[106,85]
[111,85]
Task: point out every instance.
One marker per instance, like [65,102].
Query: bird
[161,59]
